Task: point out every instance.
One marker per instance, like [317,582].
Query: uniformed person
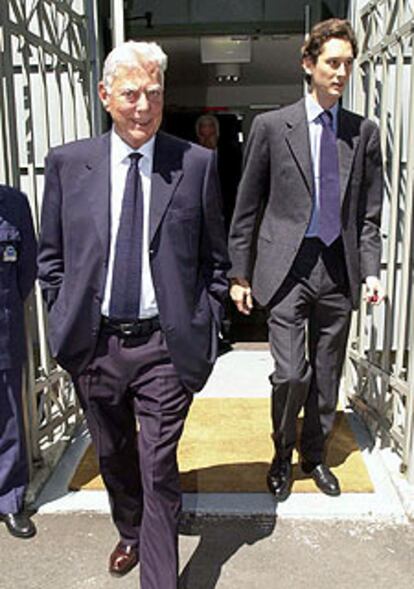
[17,276]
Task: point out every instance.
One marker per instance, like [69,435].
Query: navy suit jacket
[17,273]
[187,248]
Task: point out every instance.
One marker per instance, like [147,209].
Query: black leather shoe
[19,524]
[324,478]
[123,559]
[279,479]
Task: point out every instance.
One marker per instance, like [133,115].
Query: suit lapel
[347,142]
[166,175]
[98,177]
[297,137]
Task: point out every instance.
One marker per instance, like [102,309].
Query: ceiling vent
[225,49]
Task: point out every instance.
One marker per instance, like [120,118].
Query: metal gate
[48,67]
[380,368]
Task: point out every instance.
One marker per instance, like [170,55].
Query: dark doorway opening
[229,152]
[183,123]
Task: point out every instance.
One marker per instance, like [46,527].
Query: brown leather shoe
[123,559]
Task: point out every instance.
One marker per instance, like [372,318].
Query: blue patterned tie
[329,188]
[126,277]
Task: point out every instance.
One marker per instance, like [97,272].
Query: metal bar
[93,45]
[30,150]
[408,447]
[5,167]
[380,368]
[35,40]
[369,7]
[398,384]
[407,249]
[392,242]
[65,8]
[388,42]
[9,104]
[118,22]
[53,47]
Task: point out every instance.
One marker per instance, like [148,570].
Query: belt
[138,328]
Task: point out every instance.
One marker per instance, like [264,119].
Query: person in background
[208,131]
[17,276]
[132,264]
[313,179]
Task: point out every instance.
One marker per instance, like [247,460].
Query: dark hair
[333,28]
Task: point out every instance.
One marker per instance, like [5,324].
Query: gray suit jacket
[188,255]
[274,202]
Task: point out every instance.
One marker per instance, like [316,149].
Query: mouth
[141,124]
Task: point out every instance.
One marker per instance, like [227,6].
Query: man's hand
[374,291]
[241,294]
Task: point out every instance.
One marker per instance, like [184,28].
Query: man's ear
[308,65]
[103,95]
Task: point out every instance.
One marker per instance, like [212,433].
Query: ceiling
[275,60]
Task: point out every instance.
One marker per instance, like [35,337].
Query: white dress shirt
[119,168]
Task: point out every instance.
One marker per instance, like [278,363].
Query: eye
[154,94]
[128,95]
[333,63]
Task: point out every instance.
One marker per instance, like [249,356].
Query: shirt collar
[314,109]
[121,150]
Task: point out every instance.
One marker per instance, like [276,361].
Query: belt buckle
[126,328]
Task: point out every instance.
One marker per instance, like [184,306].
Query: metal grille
[47,70]
[380,368]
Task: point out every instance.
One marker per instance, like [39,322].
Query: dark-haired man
[314,170]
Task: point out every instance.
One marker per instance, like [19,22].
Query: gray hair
[128,54]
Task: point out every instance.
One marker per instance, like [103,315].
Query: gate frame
[49,48]
[379,374]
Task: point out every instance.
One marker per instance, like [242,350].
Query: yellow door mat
[226,448]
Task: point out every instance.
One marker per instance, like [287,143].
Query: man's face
[135,102]
[331,71]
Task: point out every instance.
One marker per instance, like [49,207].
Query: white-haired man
[132,265]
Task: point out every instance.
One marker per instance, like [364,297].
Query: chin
[138,140]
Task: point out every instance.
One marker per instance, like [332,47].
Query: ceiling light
[227,72]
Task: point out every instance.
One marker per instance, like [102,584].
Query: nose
[342,70]
[142,102]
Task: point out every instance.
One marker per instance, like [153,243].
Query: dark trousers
[308,328]
[132,380]
[14,472]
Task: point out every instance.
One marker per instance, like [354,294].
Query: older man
[132,265]
[17,276]
[313,178]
